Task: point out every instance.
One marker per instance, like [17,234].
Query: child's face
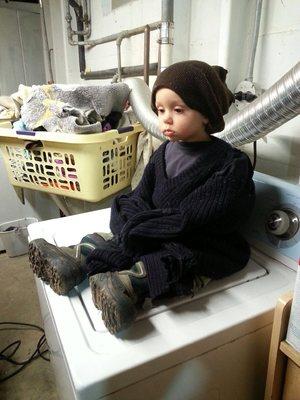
[177,121]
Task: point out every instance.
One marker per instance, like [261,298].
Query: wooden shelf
[291,353]
[283,378]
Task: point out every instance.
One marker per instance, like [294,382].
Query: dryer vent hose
[277,105]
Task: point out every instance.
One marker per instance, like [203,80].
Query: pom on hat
[202,87]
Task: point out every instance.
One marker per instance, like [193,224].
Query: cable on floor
[9,351]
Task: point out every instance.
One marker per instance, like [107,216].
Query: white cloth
[72,108]
[146,145]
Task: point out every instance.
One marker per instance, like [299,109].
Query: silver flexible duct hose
[140,100]
[277,105]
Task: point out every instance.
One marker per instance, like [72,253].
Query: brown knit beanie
[202,87]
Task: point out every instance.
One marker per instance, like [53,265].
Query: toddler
[181,225]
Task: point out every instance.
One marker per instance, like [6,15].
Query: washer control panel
[275,221]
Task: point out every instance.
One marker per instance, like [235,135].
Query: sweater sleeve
[128,205]
[220,205]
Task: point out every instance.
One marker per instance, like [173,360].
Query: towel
[7,108]
[19,98]
[72,108]
[10,105]
[146,145]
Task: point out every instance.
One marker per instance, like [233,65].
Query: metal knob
[282,223]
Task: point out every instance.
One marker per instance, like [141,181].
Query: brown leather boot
[117,294]
[62,267]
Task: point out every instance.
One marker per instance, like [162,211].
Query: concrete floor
[19,303]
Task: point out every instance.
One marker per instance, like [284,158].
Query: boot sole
[118,310]
[49,264]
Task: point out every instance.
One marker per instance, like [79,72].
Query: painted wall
[21,55]
[20,47]
[215,31]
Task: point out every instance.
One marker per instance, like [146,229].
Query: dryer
[213,346]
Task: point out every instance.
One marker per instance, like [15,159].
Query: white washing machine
[213,346]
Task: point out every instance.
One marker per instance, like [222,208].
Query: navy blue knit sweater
[187,224]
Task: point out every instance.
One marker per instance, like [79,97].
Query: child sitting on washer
[182,221]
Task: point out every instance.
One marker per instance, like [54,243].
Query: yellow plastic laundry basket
[83,166]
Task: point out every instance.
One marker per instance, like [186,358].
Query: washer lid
[251,272]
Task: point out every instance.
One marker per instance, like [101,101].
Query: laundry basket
[14,236]
[83,166]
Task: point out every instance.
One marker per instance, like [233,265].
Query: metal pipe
[84,9]
[146,53]
[124,35]
[118,43]
[166,33]
[254,40]
[167,10]
[136,70]
[85,19]
[81,49]
[115,36]
[277,105]
[68,18]
[80,25]
[68,12]
[46,44]
[159,60]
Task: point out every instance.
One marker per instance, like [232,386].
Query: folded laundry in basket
[73,108]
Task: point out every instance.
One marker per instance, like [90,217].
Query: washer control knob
[283,223]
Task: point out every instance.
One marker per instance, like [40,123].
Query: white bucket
[15,240]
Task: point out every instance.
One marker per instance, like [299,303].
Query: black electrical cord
[254,154]
[14,346]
